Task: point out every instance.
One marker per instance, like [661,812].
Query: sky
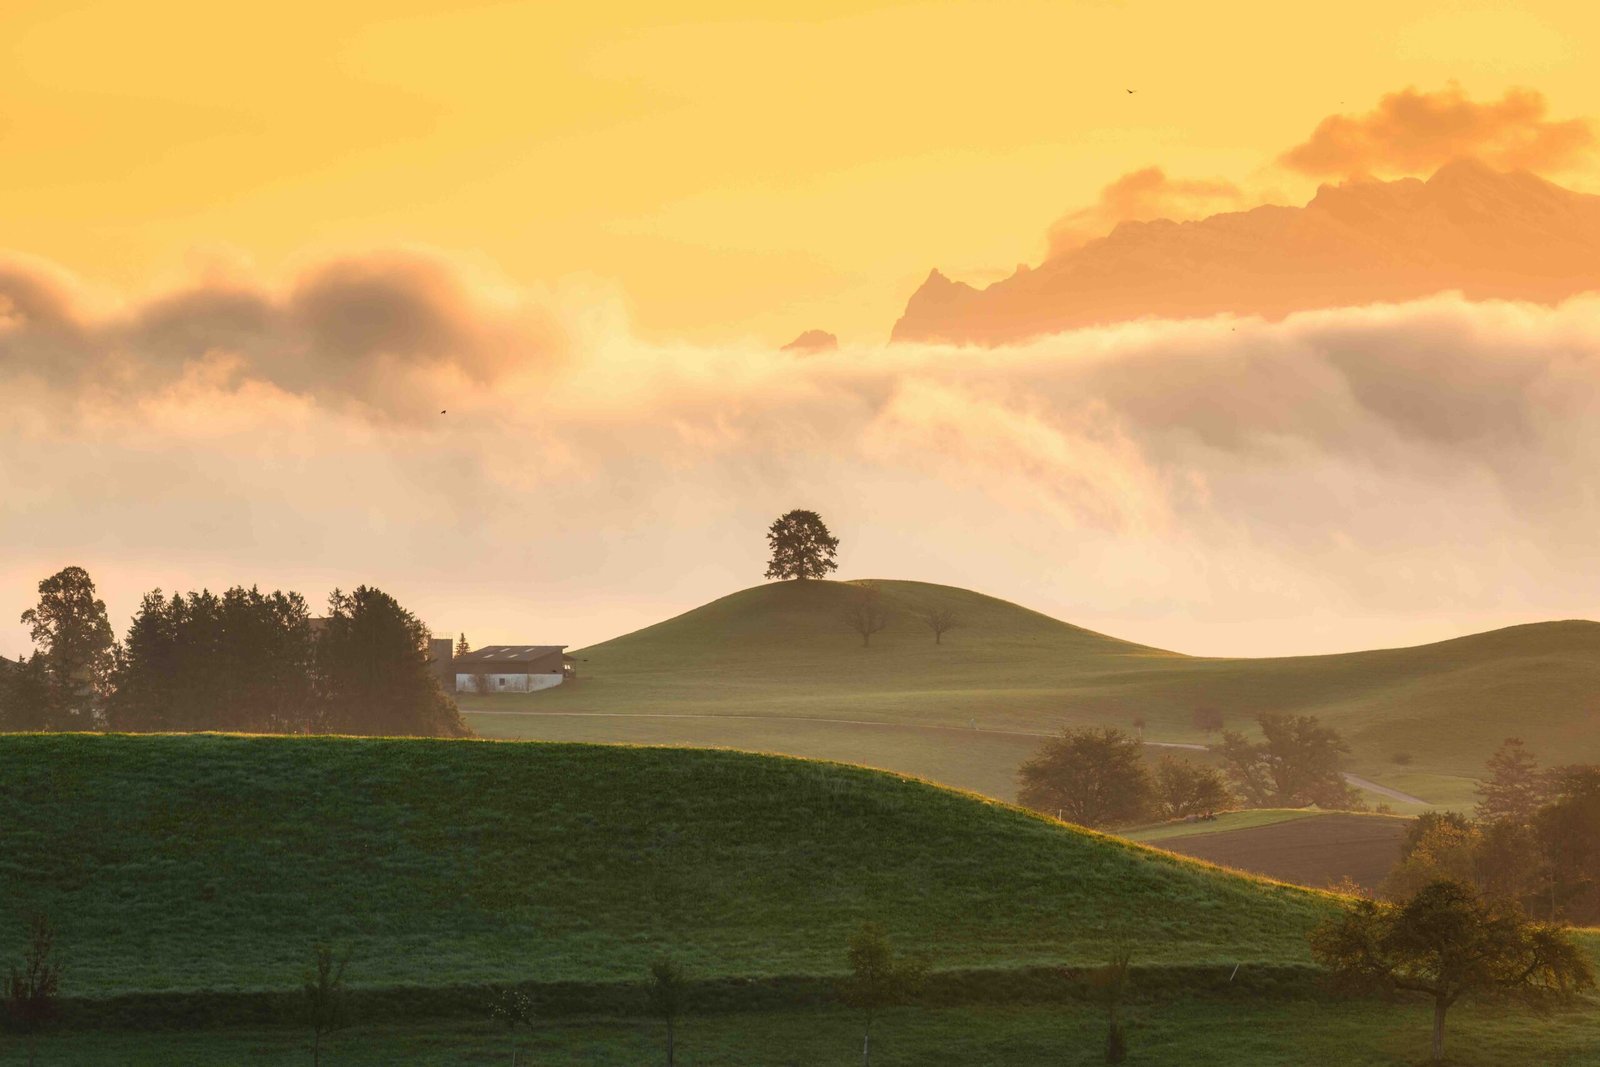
[245,261]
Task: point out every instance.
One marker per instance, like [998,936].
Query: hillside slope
[782,652]
[188,862]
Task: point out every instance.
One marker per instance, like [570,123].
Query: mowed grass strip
[1423,719]
[209,862]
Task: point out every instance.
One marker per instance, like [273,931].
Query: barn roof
[490,655]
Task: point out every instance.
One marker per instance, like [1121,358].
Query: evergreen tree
[373,672]
[462,648]
[1515,788]
[801,546]
[26,699]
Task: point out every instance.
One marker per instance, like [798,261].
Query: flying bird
[441,413]
[1132,91]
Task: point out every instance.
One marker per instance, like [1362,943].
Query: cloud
[1336,479]
[1412,132]
[1140,196]
[385,332]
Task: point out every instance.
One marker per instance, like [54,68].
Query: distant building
[512,668]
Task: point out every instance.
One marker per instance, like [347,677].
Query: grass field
[1194,1033]
[213,862]
[778,653]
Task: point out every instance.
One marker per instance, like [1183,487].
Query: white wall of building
[508,683]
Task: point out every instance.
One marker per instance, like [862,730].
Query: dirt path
[1355,780]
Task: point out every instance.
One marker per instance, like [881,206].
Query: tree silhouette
[70,627]
[866,614]
[941,621]
[669,989]
[31,990]
[801,546]
[1447,943]
[877,980]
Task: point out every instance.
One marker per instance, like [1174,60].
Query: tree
[1515,788]
[373,673]
[1183,787]
[512,1009]
[1447,943]
[32,989]
[1093,777]
[801,545]
[941,621]
[877,980]
[1438,847]
[26,702]
[866,614]
[70,628]
[462,648]
[1208,720]
[669,989]
[1110,984]
[325,1001]
[1568,832]
[1138,726]
[1296,763]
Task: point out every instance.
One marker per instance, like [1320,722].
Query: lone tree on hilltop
[802,547]
[941,621]
[31,990]
[1094,777]
[1447,943]
[866,614]
[877,980]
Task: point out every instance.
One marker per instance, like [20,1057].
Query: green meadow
[775,668]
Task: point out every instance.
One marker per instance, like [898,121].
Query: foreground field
[1194,1033]
[1421,720]
[184,863]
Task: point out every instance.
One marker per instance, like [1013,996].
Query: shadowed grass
[213,862]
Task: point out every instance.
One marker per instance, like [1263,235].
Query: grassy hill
[206,862]
[774,664]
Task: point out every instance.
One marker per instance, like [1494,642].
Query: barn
[512,668]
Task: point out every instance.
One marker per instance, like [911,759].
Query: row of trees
[1533,840]
[243,660]
[1099,777]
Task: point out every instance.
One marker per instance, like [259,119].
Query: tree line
[1099,777]
[241,660]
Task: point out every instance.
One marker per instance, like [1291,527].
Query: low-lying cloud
[1140,196]
[1412,132]
[1337,479]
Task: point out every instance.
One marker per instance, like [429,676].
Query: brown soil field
[1315,852]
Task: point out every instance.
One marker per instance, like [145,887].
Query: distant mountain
[1470,228]
[812,341]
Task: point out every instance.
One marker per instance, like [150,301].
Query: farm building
[512,668]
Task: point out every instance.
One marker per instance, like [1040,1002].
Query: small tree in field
[1110,984]
[866,614]
[669,991]
[1090,777]
[31,990]
[941,621]
[512,1009]
[1447,942]
[1186,788]
[1208,720]
[325,1002]
[877,980]
[801,546]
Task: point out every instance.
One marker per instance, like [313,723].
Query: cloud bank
[1413,132]
[1337,479]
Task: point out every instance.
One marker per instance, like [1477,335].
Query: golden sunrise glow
[731,170]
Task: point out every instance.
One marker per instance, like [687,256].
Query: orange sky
[729,175]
